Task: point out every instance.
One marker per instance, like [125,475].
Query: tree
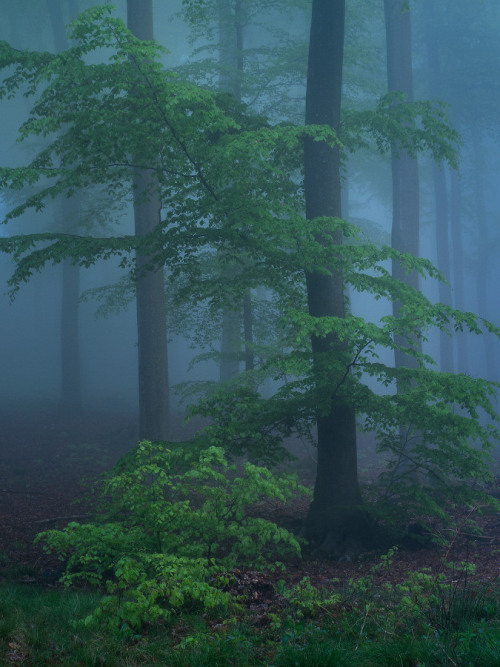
[336,491]
[458,266]
[71,380]
[484,258]
[405,181]
[231,71]
[440,189]
[150,284]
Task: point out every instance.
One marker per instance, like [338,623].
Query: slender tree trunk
[150,298]
[71,380]
[483,271]
[248,331]
[443,260]
[405,183]
[247,299]
[432,33]
[458,267]
[230,79]
[230,341]
[71,377]
[405,194]
[230,47]
[330,522]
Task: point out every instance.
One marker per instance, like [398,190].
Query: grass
[419,623]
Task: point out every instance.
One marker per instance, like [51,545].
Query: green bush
[426,619]
[175,524]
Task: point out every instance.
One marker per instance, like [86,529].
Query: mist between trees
[283,215]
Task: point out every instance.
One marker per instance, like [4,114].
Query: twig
[64,518]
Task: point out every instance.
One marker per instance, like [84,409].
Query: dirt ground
[46,464]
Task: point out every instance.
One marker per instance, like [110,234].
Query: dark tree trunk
[71,377]
[334,523]
[151,311]
[405,183]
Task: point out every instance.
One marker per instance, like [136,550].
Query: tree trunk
[405,189]
[248,331]
[432,33]
[71,382]
[333,523]
[443,260]
[230,47]
[230,79]
[483,271]
[405,184]
[230,342]
[458,267]
[150,298]
[71,377]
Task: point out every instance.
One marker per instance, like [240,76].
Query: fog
[30,328]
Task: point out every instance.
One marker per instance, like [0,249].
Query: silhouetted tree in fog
[456,226]
[405,181]
[150,285]
[69,212]
[441,208]
[230,76]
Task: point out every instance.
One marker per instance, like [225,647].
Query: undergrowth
[159,578]
[175,523]
[425,620]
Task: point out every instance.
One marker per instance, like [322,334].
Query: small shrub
[306,601]
[174,522]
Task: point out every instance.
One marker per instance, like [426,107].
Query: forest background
[198,222]
[298,311]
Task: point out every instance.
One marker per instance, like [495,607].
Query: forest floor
[47,463]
